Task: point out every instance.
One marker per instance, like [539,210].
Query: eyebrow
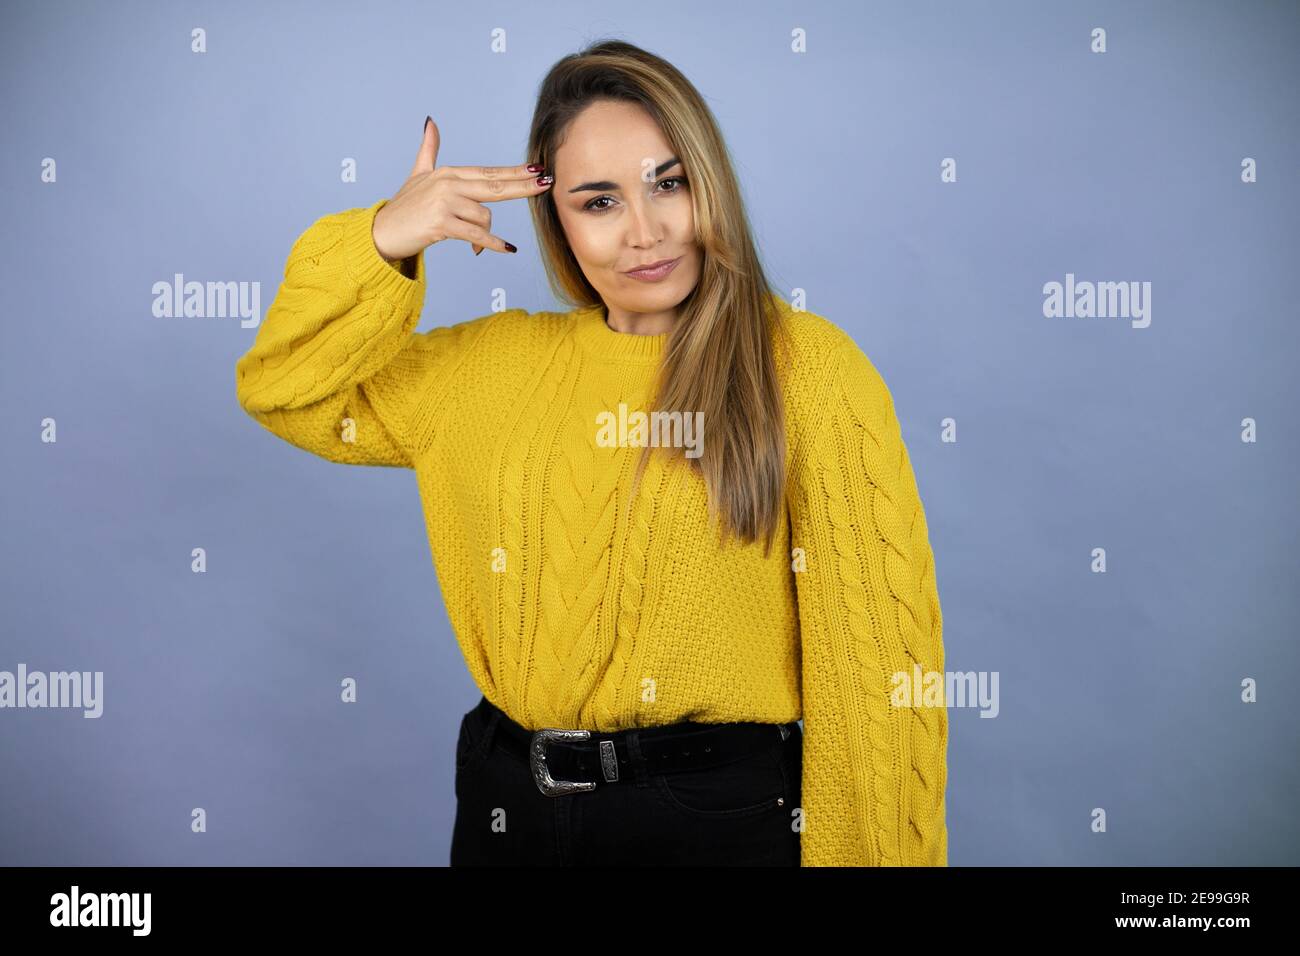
[605,184]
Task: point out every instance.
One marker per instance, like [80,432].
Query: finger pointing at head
[495,183]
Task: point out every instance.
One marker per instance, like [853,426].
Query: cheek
[684,225]
[592,245]
[575,235]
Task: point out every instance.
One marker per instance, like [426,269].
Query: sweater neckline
[599,339]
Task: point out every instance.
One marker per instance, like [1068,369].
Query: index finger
[495,183]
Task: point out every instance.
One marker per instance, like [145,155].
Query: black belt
[567,761]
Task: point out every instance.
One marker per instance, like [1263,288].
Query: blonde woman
[596,483]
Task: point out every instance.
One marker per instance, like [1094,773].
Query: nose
[643,229]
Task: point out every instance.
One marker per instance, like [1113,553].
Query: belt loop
[489,730]
[639,773]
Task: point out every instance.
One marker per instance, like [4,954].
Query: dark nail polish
[478,250]
[535,168]
[545,180]
[427,121]
[509,247]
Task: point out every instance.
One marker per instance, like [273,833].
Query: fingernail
[478,250]
[427,121]
[509,247]
[534,168]
[545,180]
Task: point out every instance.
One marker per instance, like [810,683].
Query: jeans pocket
[753,784]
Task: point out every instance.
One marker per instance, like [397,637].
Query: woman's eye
[679,181]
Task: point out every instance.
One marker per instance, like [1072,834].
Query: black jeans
[741,813]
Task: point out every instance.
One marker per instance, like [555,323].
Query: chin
[658,299]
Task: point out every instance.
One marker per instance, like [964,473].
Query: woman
[643,663]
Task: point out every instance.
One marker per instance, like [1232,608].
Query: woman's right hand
[446,202]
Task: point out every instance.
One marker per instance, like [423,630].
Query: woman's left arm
[875,753]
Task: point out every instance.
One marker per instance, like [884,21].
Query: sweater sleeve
[874,761]
[336,367]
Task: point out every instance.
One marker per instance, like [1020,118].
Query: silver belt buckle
[537,759]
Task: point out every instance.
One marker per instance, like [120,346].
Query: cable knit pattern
[575,549]
[573,609]
[869,606]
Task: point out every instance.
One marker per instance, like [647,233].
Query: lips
[652,265]
[655,270]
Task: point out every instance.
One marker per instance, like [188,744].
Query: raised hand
[447,202]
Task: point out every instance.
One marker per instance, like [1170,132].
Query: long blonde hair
[719,358]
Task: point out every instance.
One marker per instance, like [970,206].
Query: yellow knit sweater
[570,615]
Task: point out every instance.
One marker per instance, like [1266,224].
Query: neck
[640,323]
[609,345]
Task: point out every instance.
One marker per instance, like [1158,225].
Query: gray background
[1118,690]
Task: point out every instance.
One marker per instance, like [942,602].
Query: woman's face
[624,202]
